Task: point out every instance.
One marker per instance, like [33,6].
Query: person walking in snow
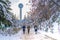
[35,28]
[28,28]
[24,27]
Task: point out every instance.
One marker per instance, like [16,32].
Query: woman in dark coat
[23,29]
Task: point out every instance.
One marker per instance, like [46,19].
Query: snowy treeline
[44,13]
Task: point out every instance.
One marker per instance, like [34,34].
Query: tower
[20,6]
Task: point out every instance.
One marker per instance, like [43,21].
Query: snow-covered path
[31,36]
[38,36]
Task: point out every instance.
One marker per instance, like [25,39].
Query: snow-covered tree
[45,10]
[3,11]
[6,17]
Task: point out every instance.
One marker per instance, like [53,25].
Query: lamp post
[20,6]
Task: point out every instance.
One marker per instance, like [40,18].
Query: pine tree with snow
[5,14]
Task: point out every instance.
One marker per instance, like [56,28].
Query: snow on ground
[41,35]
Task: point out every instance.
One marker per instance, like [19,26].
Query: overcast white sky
[14,6]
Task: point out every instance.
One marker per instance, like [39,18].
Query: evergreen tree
[5,12]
